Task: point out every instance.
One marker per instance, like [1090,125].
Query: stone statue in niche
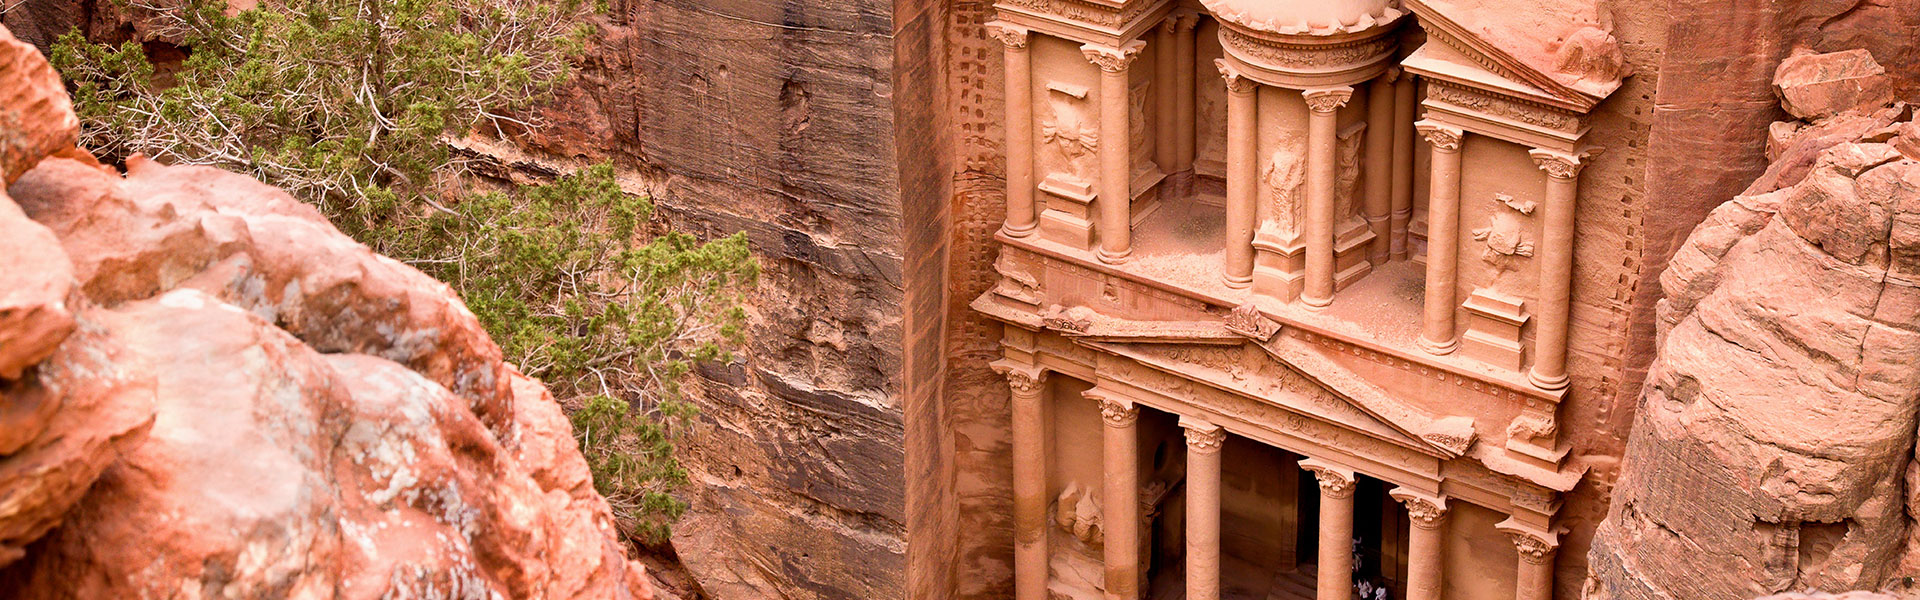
[1505,236]
[1286,178]
[1070,136]
[1076,512]
[1139,140]
[1347,183]
[1211,126]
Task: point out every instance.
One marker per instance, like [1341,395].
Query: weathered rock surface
[1778,423]
[246,403]
[37,118]
[1814,86]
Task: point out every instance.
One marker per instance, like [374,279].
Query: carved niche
[1070,135]
[1347,186]
[1140,139]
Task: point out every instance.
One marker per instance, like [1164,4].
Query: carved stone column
[1556,268]
[1536,549]
[1336,530]
[1183,73]
[1121,498]
[1378,167]
[1242,172]
[1443,244]
[1322,135]
[1403,106]
[1116,181]
[1163,90]
[1021,218]
[1425,554]
[1029,484]
[1203,508]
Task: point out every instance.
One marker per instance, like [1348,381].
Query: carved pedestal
[1494,321]
[1068,218]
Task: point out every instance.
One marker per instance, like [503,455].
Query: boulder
[1813,86]
[34,285]
[36,118]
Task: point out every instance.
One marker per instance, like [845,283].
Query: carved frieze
[1489,104]
[1304,57]
[1080,11]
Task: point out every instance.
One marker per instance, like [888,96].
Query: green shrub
[348,104]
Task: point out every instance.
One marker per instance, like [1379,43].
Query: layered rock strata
[217,391]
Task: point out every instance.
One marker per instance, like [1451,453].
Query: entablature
[1107,22]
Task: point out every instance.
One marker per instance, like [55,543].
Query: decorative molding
[1335,482]
[1080,11]
[1111,59]
[1326,100]
[1530,113]
[1559,165]
[1184,20]
[1444,138]
[1203,437]
[1316,57]
[1536,546]
[1013,36]
[1237,82]
[1026,382]
[1425,511]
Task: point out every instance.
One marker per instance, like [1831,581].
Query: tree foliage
[348,104]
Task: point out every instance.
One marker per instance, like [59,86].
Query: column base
[1546,382]
[1439,348]
[1235,282]
[1316,303]
[1020,232]
[1114,258]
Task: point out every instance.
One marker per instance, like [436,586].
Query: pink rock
[1813,86]
[36,118]
[35,282]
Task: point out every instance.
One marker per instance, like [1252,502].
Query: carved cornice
[1202,437]
[1326,100]
[1444,138]
[1533,114]
[1111,59]
[1237,82]
[1425,511]
[1013,36]
[1335,482]
[1560,165]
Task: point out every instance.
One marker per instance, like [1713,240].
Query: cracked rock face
[222,395]
[1774,445]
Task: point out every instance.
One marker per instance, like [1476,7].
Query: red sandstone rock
[1813,86]
[239,401]
[1780,415]
[36,118]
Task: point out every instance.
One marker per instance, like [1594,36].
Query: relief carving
[1205,441]
[1347,188]
[1505,237]
[1525,113]
[1425,513]
[1139,143]
[1080,11]
[1071,137]
[1077,513]
[1303,57]
[1072,320]
[1246,320]
[1533,549]
[1532,427]
[1286,179]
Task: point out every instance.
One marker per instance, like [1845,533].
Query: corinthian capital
[1426,511]
[1335,482]
[1236,82]
[1326,100]
[1184,20]
[1014,36]
[1203,437]
[1026,382]
[1444,138]
[1536,546]
[1559,165]
[1111,59]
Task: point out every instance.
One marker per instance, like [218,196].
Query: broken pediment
[1558,50]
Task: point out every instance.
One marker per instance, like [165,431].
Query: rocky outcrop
[243,402]
[1774,444]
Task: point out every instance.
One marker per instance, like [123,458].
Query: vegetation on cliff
[347,103]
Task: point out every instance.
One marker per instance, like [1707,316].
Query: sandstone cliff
[1774,448]
[207,390]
